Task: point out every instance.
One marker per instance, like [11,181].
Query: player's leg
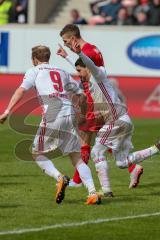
[114,136]
[98,154]
[86,176]
[85,155]
[121,141]
[101,165]
[135,171]
[124,160]
[44,142]
[47,140]
[71,146]
[121,154]
[47,166]
[139,156]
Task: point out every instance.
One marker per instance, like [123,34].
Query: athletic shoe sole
[92,200]
[105,194]
[140,172]
[61,186]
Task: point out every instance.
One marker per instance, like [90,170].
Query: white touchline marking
[76,224]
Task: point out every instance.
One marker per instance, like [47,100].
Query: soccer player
[57,129]
[69,34]
[116,133]
[100,114]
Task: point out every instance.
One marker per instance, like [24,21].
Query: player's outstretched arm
[62,52]
[17,96]
[97,72]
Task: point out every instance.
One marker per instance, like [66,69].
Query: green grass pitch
[27,196]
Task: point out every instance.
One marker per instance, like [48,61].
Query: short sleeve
[29,79]
[94,54]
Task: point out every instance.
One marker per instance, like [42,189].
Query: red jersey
[93,53]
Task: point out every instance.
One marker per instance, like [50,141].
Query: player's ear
[34,61]
[73,37]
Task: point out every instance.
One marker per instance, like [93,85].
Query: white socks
[139,156]
[86,176]
[102,171]
[47,166]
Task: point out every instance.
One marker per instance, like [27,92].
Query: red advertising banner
[142,93]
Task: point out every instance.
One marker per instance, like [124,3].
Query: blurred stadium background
[127,33]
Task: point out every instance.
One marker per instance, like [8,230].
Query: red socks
[85,154]
[131,168]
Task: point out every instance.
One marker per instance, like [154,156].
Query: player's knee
[101,165]
[36,157]
[122,164]
[98,156]
[96,153]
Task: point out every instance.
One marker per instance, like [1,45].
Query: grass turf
[27,196]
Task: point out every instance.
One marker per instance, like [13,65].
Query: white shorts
[116,136]
[60,133]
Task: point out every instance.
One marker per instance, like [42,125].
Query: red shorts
[91,124]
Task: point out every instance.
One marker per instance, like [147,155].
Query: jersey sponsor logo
[4,43]
[145,52]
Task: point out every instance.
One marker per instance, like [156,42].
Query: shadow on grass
[148,185]
[124,199]
[20,175]
[2,206]
[11,183]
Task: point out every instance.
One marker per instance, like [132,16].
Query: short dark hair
[72,29]
[42,53]
[80,63]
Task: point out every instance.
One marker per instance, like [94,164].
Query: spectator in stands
[141,19]
[6,12]
[96,5]
[154,13]
[76,18]
[125,12]
[110,10]
[97,20]
[129,3]
[122,18]
[21,11]
[143,6]
[92,4]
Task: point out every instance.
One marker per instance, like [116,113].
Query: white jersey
[111,101]
[54,87]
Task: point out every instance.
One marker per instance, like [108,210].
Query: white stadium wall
[113,42]
[131,54]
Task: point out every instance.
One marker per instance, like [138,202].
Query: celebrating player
[69,34]
[57,128]
[116,133]
[100,114]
